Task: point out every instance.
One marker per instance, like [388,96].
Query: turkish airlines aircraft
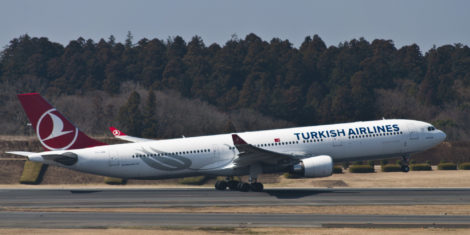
[305,151]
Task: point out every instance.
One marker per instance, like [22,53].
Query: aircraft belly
[392,146]
[359,148]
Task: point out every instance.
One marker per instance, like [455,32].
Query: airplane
[307,151]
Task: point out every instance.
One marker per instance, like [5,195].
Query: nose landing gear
[405,163]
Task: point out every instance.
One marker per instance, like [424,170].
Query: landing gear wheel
[233,184]
[405,168]
[244,187]
[221,185]
[257,187]
[405,163]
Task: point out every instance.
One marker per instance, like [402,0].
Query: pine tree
[112,40]
[130,116]
[150,128]
[129,38]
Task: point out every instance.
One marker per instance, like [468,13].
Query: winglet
[116,132]
[237,140]
[121,135]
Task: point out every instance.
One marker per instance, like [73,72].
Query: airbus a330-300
[307,151]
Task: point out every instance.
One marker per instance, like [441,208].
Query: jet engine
[313,167]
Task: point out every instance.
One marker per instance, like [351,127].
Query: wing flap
[249,154]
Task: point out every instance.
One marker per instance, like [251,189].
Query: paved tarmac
[105,220]
[147,198]
[209,197]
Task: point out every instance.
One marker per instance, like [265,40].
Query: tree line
[312,84]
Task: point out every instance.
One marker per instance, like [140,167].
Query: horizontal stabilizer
[21,153]
[67,158]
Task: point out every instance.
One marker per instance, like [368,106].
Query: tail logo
[52,132]
[116,132]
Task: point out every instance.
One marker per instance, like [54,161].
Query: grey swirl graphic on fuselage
[167,162]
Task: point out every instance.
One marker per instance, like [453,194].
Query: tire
[243,187]
[257,187]
[405,168]
[221,185]
[233,184]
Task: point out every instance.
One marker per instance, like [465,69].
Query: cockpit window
[431,128]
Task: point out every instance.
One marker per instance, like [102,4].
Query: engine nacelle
[313,167]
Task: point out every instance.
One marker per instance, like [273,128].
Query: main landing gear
[254,185]
[405,163]
[229,183]
[238,185]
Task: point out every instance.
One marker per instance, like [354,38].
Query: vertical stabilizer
[53,130]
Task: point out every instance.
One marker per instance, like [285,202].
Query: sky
[424,22]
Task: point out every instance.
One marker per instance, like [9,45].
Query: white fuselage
[215,154]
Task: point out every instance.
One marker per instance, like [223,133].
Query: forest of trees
[167,88]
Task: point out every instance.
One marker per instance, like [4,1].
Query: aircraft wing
[249,154]
[120,135]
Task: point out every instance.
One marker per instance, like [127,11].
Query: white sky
[424,22]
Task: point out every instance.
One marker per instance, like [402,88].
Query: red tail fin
[116,132]
[54,131]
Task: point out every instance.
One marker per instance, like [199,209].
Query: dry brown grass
[418,179]
[17,138]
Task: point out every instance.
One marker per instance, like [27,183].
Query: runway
[210,197]
[106,220]
[25,199]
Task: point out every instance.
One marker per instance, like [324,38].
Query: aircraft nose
[442,135]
